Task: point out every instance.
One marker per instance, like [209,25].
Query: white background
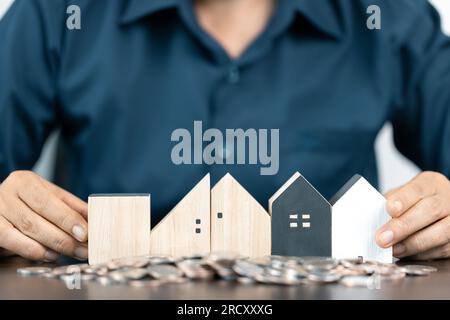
[4,5]
[394,168]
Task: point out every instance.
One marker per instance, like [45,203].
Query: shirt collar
[322,14]
[137,9]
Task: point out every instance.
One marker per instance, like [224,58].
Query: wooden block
[239,224]
[186,229]
[358,211]
[119,226]
[301,220]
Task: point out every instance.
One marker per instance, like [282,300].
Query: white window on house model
[294,221]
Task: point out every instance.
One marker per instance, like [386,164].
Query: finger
[390,192]
[68,198]
[440,252]
[422,214]
[42,231]
[13,240]
[42,201]
[431,237]
[403,198]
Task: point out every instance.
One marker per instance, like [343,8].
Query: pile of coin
[152,271]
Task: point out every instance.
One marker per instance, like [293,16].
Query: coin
[245,280]
[82,266]
[276,272]
[33,271]
[160,260]
[292,262]
[323,276]
[295,271]
[103,271]
[154,271]
[418,270]
[195,269]
[366,267]
[396,274]
[135,273]
[429,268]
[277,261]
[247,269]
[223,268]
[56,272]
[350,271]
[386,270]
[161,271]
[261,261]
[349,263]
[117,276]
[104,281]
[270,279]
[87,277]
[92,269]
[113,265]
[320,264]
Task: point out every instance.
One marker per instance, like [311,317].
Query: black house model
[301,220]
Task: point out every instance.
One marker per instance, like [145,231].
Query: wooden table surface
[13,286]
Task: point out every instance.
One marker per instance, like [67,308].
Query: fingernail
[399,249]
[385,238]
[79,233]
[81,253]
[50,256]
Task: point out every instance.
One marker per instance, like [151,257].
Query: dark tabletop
[13,286]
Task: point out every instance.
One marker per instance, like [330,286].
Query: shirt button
[234,75]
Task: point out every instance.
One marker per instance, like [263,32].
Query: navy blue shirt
[139,69]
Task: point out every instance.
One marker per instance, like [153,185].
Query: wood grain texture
[239,224]
[119,226]
[186,229]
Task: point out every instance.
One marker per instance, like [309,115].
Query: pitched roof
[286,186]
[343,190]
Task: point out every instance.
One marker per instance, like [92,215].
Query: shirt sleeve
[28,73]
[421,119]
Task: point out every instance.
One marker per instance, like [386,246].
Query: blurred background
[394,169]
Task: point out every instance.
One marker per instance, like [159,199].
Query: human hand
[39,220]
[420,224]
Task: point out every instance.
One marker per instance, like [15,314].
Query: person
[134,71]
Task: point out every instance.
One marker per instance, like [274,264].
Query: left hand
[420,224]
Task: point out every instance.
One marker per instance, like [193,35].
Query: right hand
[39,220]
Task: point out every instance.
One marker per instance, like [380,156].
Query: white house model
[358,211]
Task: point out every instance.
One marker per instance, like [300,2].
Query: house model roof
[343,190]
[286,186]
[229,181]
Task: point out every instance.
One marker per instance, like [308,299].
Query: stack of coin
[153,271]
